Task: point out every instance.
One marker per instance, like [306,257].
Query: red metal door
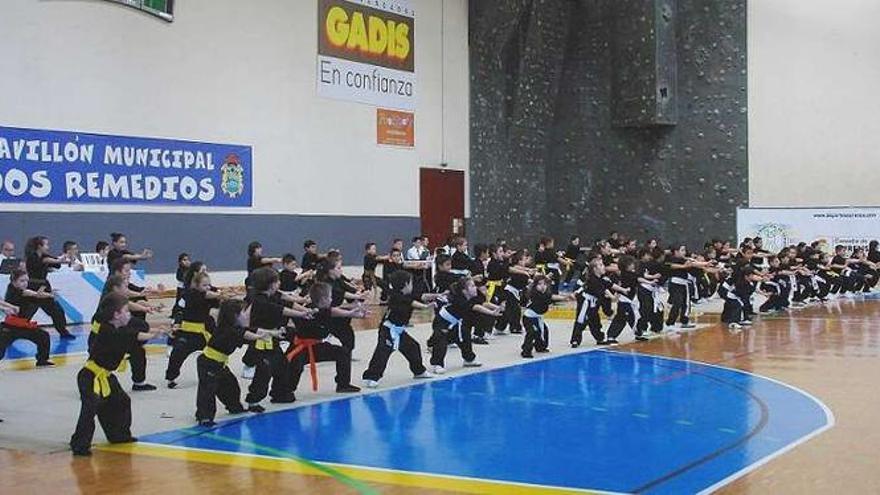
[442,204]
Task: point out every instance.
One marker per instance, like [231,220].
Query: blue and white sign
[40,166]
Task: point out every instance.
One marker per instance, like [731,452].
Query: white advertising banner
[779,227]
[364,83]
[366,52]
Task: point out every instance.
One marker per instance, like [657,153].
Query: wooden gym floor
[831,352]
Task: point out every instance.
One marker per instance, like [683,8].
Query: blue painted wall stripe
[218,239]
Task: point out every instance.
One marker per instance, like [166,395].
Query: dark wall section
[219,240]
[548,154]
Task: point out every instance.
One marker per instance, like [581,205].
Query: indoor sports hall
[439,246]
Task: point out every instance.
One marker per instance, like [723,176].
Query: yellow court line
[384,476]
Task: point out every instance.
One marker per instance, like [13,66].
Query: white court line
[829,417]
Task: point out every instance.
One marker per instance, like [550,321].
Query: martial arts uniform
[195,331]
[512,295]
[27,307]
[449,327]
[679,293]
[650,305]
[627,306]
[537,333]
[268,313]
[394,337]
[100,392]
[589,299]
[216,381]
[38,273]
[320,327]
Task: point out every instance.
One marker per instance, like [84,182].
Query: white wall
[814,102]
[235,72]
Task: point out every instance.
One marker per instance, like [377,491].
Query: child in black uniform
[519,275]
[183,264]
[39,263]
[650,305]
[392,331]
[744,280]
[99,389]
[138,295]
[343,297]
[589,298]
[291,280]
[196,324]
[539,299]
[449,325]
[21,301]
[627,300]
[319,327]
[268,313]
[256,260]
[215,379]
[679,288]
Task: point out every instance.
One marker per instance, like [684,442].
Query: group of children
[473,295]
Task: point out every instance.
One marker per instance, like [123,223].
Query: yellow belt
[542,268]
[264,345]
[101,384]
[215,355]
[491,286]
[196,328]
[123,365]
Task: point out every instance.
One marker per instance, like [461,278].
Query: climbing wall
[570,132]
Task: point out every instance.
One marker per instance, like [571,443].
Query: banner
[395,128]
[366,52]
[779,227]
[39,166]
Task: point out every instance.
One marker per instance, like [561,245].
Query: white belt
[452,320]
[513,290]
[396,332]
[181,285]
[529,313]
[589,302]
[466,273]
[650,287]
[678,281]
[624,299]
[553,266]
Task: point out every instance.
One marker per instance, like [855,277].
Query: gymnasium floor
[787,407]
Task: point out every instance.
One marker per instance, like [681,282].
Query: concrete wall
[814,70]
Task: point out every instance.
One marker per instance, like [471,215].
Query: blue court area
[601,420]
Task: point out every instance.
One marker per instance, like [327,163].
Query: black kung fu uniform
[650,309]
[626,305]
[38,273]
[589,299]
[197,325]
[341,327]
[268,359]
[446,331]
[512,295]
[180,276]
[369,276]
[216,381]
[679,293]
[393,337]
[319,328]
[537,333]
[100,392]
[27,308]
[288,281]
